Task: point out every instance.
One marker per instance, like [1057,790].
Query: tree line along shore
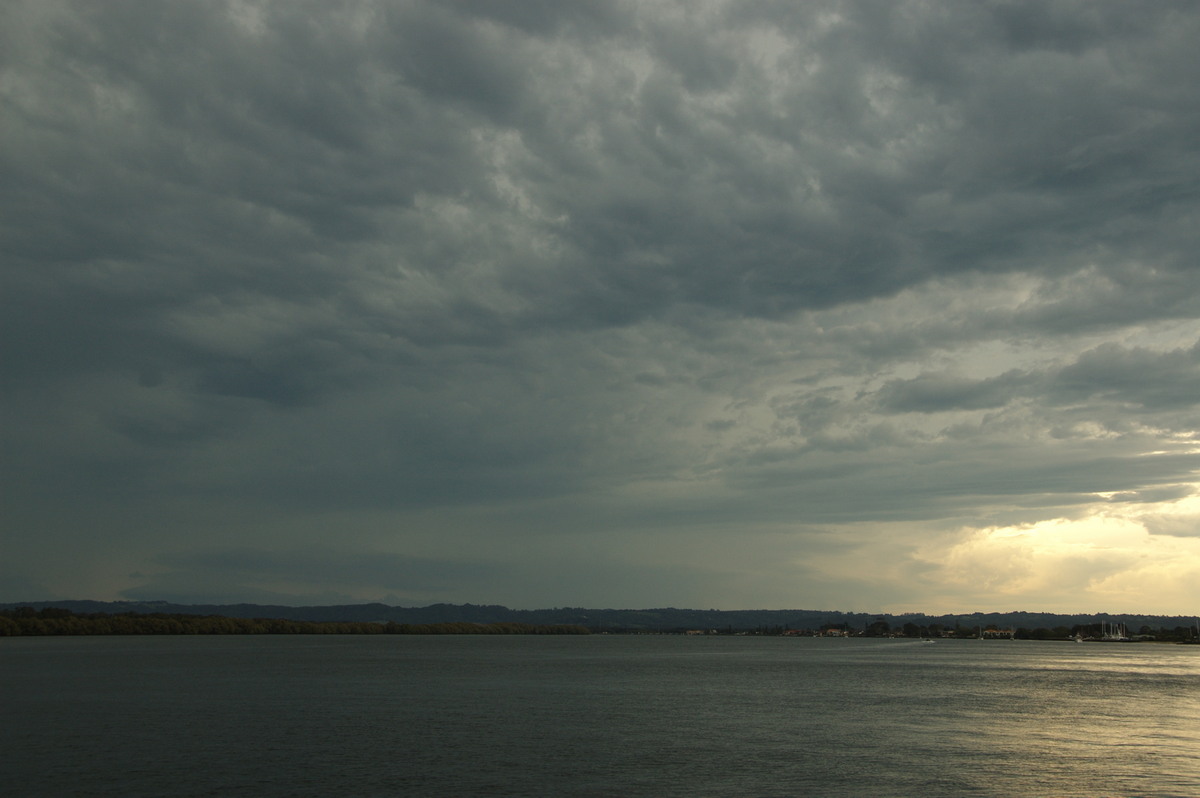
[26,621]
[50,621]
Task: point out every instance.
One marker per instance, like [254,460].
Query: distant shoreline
[56,621]
[46,619]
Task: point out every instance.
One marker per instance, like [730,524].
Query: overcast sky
[873,306]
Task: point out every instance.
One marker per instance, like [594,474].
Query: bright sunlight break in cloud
[866,306]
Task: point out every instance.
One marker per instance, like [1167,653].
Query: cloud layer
[845,305]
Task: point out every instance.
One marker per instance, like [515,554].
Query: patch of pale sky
[1072,565]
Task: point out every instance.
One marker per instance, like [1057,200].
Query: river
[600,715]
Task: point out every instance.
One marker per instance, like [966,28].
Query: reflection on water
[602,715]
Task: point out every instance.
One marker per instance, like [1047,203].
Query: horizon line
[594,609]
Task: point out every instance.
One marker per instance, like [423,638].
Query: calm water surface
[595,716]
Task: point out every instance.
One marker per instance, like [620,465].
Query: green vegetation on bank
[160,617]
[27,621]
[661,620]
[1081,632]
[24,621]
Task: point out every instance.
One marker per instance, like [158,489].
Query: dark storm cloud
[1109,375]
[1156,381]
[754,189]
[930,393]
[818,263]
[1174,526]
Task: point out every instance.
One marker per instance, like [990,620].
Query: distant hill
[649,620]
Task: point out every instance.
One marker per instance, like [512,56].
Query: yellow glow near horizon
[1109,559]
